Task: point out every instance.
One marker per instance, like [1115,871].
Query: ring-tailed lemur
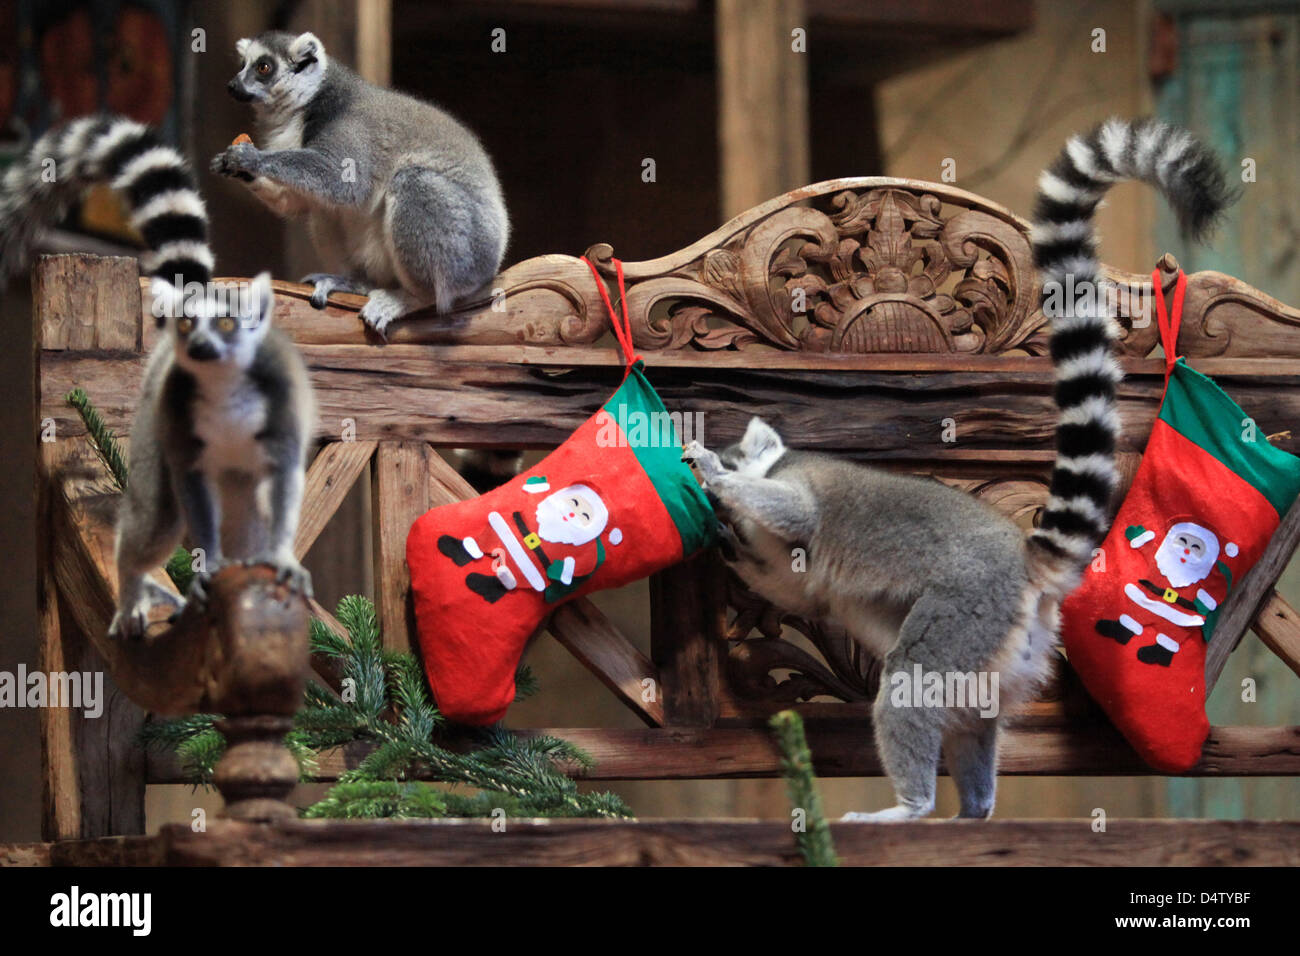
[225,414]
[396,192]
[934,581]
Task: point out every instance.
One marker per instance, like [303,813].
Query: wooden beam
[329,479]
[1247,599]
[731,842]
[873,408]
[847,750]
[599,646]
[762,101]
[400,489]
[686,639]
[1278,626]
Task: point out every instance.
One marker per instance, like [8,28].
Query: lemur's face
[217,326]
[278,70]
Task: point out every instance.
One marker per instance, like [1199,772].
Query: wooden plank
[732,842]
[588,635]
[847,750]
[88,302]
[1278,626]
[579,626]
[329,479]
[1244,604]
[114,851]
[686,642]
[762,101]
[400,488]
[877,414]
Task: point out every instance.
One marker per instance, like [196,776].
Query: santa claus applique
[1171,604]
[551,545]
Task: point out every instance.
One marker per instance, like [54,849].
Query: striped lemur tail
[1077,514]
[153,178]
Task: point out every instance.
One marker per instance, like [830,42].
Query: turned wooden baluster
[246,657]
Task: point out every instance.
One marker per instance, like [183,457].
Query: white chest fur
[229,412]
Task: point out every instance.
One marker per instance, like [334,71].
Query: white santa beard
[1178,573]
[552,527]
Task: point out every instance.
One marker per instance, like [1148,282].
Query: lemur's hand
[238,160]
[707,463]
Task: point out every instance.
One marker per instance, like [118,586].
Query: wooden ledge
[1126,842]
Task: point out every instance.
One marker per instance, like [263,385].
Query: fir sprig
[814,837]
[104,442]
[386,703]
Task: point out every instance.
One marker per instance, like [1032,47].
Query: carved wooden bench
[871,317]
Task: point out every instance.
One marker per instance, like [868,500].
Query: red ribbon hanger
[622,326]
[1169,322]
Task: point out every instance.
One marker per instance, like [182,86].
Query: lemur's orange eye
[263,69]
[185,326]
[226,324]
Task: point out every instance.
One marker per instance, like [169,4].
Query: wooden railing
[921,307]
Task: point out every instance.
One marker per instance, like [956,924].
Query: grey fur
[418,220]
[917,572]
[208,432]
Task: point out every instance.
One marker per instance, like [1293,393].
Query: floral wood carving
[872,265]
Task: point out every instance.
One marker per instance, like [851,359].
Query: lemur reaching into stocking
[225,414]
[924,576]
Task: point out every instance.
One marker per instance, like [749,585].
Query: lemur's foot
[129,623]
[198,595]
[287,571]
[325,283]
[384,306]
[707,463]
[892,815]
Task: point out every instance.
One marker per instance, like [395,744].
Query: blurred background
[583,92]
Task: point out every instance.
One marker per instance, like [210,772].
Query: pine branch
[521,777]
[100,436]
[105,445]
[814,836]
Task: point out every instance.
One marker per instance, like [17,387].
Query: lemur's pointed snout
[201,350]
[237,91]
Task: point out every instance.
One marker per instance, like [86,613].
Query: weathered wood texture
[845,749]
[1247,599]
[733,842]
[400,488]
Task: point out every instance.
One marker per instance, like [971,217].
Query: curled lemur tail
[1077,514]
[154,179]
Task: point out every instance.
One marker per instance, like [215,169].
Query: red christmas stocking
[611,505]
[1204,504]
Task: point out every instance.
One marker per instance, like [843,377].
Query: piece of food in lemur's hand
[401,199]
[240,140]
[225,413]
[934,581]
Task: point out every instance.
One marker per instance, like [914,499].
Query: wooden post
[762,101]
[400,491]
[685,639]
[92,768]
